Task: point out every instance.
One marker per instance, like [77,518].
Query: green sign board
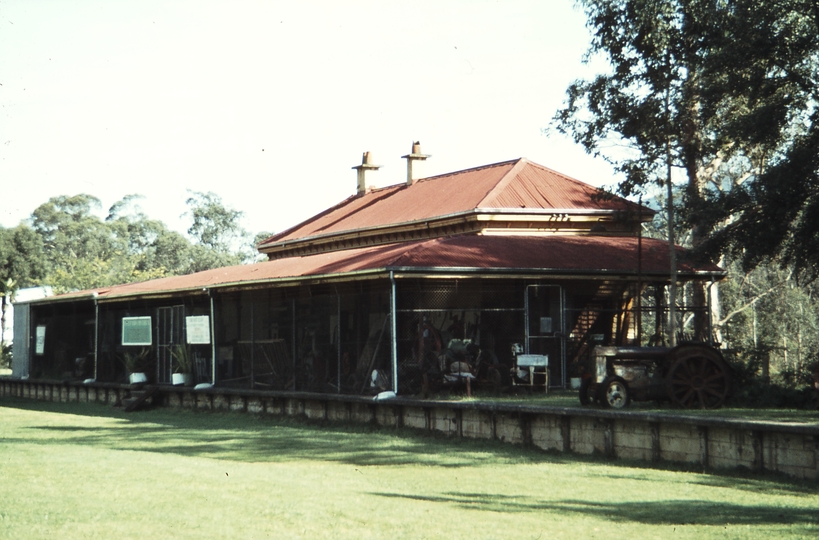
[136,331]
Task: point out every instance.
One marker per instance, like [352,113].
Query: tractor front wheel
[615,393]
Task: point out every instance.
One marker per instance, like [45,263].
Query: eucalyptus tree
[84,251]
[766,78]
[774,321]
[220,239]
[21,266]
[719,93]
[80,249]
[152,249]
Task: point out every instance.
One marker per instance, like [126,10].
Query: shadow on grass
[665,512]
[744,480]
[249,438]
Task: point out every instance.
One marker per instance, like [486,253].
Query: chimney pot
[363,177]
[414,161]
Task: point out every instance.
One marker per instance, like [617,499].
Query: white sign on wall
[39,343]
[197,329]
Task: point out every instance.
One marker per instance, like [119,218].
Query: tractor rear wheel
[698,377]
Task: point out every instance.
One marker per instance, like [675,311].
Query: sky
[269,104]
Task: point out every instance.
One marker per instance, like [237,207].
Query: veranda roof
[565,256]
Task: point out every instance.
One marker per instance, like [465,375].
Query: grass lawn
[73,470]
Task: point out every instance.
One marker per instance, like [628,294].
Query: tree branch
[755,299]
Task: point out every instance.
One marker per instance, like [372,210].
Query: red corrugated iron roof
[513,184]
[546,255]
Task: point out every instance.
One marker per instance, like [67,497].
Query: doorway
[544,328]
[169,332]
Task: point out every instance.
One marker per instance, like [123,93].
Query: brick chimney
[364,178]
[415,161]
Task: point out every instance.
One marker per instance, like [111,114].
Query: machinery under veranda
[501,277]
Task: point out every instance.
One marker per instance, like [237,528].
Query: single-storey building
[431,280]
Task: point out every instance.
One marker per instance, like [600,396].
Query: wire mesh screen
[169,334]
[64,345]
[308,339]
[446,329]
[254,337]
[365,337]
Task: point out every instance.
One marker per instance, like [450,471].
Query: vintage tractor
[691,375]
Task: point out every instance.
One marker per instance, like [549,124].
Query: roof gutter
[430,271]
[91,296]
[551,272]
[346,276]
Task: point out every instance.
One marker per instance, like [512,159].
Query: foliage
[751,390]
[5,356]
[258,239]
[82,251]
[724,92]
[725,95]
[21,258]
[772,322]
[182,358]
[205,258]
[770,70]
[216,226]
[133,361]
[21,265]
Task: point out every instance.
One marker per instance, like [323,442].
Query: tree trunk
[716,313]
[692,156]
[3,305]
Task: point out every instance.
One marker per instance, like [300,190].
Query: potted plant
[182,364]
[134,365]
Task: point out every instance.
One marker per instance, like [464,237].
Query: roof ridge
[311,219]
[272,238]
[507,178]
[470,169]
[375,199]
[523,162]
[418,246]
[584,184]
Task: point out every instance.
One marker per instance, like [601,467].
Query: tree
[153,250]
[83,251]
[704,89]
[773,322]
[258,239]
[21,265]
[80,250]
[216,228]
[173,252]
[213,224]
[771,73]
